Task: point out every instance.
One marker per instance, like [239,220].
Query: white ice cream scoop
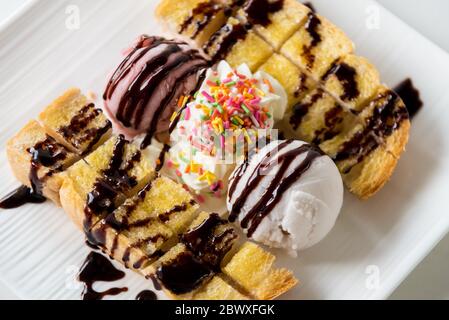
[287,196]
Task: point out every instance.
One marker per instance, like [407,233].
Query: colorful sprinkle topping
[225,113]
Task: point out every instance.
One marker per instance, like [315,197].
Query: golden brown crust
[72,202]
[63,110]
[316,58]
[373,173]
[252,269]
[218,289]
[19,159]
[284,23]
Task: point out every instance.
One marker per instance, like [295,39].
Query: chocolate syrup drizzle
[258,11]
[410,95]
[279,184]
[301,109]
[311,26]
[388,114]
[20,197]
[302,86]
[146,295]
[134,102]
[115,179]
[332,119]
[77,131]
[208,244]
[224,39]
[309,5]
[347,76]
[47,153]
[98,268]
[207,11]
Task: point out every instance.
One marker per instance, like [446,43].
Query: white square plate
[382,239]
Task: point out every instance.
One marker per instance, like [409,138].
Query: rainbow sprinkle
[222,106]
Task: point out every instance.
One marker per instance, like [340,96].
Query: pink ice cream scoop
[144,91]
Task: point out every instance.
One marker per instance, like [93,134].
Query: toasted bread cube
[180,273]
[75,122]
[133,164]
[368,152]
[176,13]
[295,82]
[319,117]
[211,239]
[285,19]
[236,44]
[136,247]
[165,201]
[19,151]
[353,80]
[79,182]
[316,45]
[218,289]
[252,269]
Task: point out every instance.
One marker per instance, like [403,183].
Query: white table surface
[429,280]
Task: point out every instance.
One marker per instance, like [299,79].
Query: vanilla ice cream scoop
[287,196]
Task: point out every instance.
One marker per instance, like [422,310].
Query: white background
[429,280]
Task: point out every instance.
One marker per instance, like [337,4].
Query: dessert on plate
[189,127]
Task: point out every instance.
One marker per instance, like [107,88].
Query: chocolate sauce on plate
[411,97]
[309,5]
[97,268]
[20,197]
[146,295]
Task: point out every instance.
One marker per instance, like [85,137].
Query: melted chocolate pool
[98,268]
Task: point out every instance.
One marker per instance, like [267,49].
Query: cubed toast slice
[219,289]
[211,239]
[199,255]
[367,153]
[144,224]
[194,19]
[75,122]
[295,82]
[316,45]
[318,118]
[82,184]
[98,184]
[276,22]
[353,80]
[163,200]
[36,160]
[252,269]
[235,43]
[180,273]
[122,164]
